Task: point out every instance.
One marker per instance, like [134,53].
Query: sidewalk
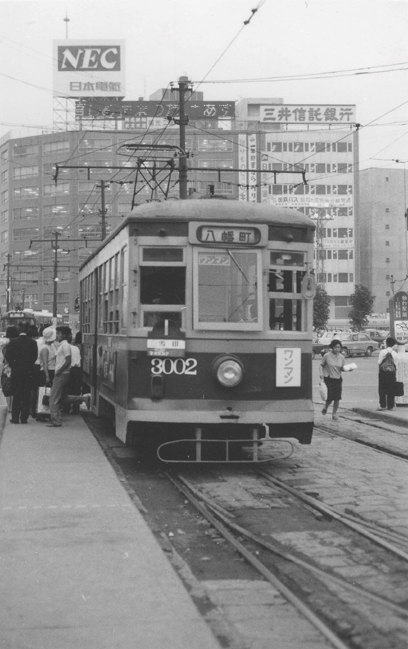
[79,567]
[398,416]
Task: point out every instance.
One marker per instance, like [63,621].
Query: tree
[362,306]
[321,308]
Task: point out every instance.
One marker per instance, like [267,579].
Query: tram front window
[164,286]
[228,286]
[285,305]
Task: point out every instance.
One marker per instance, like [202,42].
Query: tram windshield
[228,286]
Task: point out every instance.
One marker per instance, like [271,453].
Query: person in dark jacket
[21,354]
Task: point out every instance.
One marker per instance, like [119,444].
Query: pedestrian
[61,378]
[47,361]
[11,332]
[74,385]
[387,373]
[331,367]
[33,333]
[21,354]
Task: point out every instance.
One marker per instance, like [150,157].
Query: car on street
[378,335]
[353,344]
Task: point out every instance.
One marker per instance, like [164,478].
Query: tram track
[239,537]
[345,612]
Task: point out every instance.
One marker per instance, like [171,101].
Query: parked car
[353,344]
[323,342]
[377,335]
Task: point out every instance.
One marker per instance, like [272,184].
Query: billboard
[89,68]
[105,109]
[308,114]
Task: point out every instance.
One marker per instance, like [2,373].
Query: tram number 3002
[174,366]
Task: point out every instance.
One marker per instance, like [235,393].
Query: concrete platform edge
[391,417]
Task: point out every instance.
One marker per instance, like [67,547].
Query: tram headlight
[228,370]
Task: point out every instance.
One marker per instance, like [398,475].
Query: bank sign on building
[89,68]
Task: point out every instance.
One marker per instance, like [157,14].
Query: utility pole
[55,276]
[183,87]
[103,210]
[8,290]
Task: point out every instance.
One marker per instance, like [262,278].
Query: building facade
[259,156]
[383,233]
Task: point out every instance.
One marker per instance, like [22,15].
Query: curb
[3,413]
[375,414]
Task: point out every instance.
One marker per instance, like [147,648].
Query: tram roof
[212,210]
[223,210]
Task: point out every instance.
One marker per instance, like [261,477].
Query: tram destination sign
[238,235]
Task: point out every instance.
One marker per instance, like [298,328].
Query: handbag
[43,408]
[323,391]
[398,389]
[5,380]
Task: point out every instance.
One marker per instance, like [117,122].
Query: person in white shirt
[387,373]
[61,378]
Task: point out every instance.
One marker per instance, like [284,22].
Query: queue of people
[43,359]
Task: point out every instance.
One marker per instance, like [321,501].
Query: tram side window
[285,301]
[162,285]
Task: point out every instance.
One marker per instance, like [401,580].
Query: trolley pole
[183,87]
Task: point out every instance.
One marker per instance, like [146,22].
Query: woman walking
[331,367]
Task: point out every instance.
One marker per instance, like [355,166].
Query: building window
[53,147]
[21,150]
[387,209]
[25,213]
[4,176]
[26,192]
[56,189]
[20,173]
[4,155]
[4,196]
[24,233]
[387,227]
[386,178]
[4,216]
[55,210]
[343,278]
[387,243]
[4,236]
[214,144]
[96,144]
[387,293]
[387,277]
[387,260]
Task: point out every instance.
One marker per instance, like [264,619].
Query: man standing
[21,354]
[61,376]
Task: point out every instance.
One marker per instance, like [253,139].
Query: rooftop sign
[89,68]
[308,113]
[105,109]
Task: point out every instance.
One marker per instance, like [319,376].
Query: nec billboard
[89,68]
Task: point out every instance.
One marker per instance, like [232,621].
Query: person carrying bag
[387,373]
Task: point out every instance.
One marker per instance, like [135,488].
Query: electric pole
[55,276]
[8,290]
[103,210]
[183,87]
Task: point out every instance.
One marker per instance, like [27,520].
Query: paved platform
[79,567]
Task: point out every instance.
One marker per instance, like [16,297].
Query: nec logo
[76,58]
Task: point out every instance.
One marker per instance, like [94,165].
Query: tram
[196,318]
[38,318]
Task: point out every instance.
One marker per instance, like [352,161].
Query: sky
[362,43]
